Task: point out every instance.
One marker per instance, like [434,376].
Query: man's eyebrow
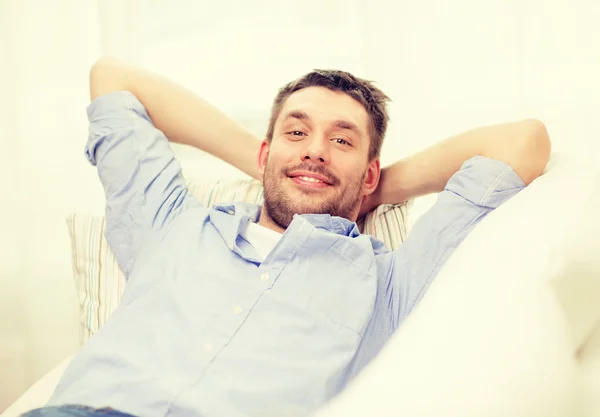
[340,124]
[296,114]
[345,124]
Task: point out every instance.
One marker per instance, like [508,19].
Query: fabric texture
[204,327]
[100,282]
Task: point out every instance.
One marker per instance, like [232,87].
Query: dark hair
[363,91]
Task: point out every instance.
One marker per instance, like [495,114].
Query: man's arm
[180,114]
[474,173]
[523,145]
[479,187]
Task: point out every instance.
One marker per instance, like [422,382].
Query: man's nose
[316,152]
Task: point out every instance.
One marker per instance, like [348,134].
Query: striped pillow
[100,282]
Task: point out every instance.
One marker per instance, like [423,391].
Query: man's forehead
[322,104]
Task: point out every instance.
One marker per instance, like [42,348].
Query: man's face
[317,161]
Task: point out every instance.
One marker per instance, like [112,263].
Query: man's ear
[263,156]
[372,175]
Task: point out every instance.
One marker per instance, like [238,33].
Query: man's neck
[267,222]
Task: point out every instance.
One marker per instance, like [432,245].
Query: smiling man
[321,151]
[241,310]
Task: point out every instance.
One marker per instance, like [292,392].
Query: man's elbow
[106,76]
[534,150]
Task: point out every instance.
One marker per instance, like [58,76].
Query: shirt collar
[229,219]
[333,224]
[244,212]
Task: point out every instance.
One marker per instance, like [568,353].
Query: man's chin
[304,207]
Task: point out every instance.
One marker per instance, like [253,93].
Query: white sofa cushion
[39,393]
[588,399]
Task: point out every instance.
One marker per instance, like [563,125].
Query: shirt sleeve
[142,180]
[480,186]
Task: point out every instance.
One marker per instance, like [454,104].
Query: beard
[282,201]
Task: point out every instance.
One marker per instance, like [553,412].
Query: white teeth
[309,179]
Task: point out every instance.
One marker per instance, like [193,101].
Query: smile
[309,179]
[309,182]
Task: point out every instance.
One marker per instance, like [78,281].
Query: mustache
[317,169]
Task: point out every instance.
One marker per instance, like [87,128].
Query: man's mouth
[310,179]
[309,182]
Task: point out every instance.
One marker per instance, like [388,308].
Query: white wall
[11,247]
[48,48]
[448,66]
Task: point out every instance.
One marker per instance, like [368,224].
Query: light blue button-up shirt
[205,328]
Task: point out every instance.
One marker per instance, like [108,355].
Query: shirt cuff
[485,182]
[115,104]
[109,113]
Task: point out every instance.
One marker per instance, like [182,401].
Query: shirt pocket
[340,284]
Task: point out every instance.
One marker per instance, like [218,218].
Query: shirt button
[264,276]
[237,310]
[208,347]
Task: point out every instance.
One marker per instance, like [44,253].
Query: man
[241,310]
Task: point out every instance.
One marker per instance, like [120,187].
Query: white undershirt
[261,238]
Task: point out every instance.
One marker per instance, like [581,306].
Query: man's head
[321,153]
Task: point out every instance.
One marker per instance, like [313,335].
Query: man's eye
[342,141]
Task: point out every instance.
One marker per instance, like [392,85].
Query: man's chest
[310,277]
[309,302]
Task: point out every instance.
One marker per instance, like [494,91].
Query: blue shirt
[205,328]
